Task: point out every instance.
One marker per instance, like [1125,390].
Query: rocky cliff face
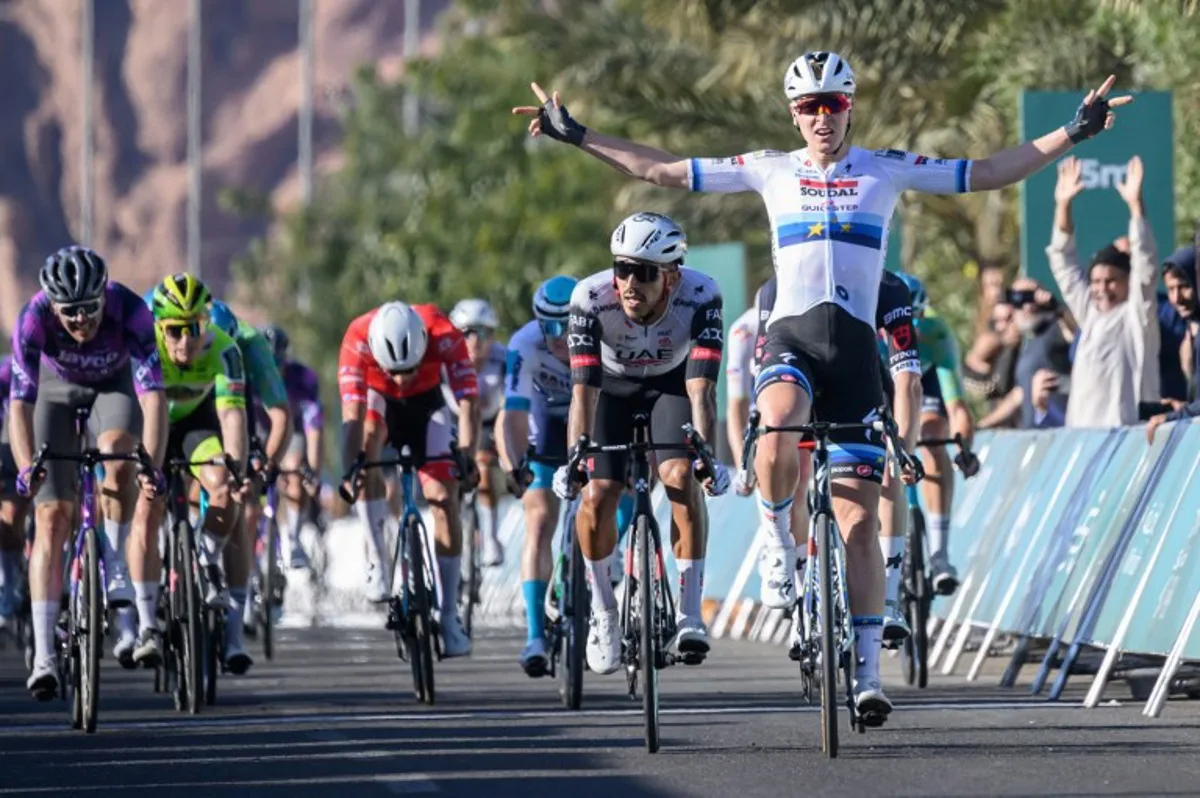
[250,99]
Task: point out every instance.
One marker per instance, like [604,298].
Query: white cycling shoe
[895,625]
[377,589]
[870,702]
[604,642]
[943,576]
[691,639]
[777,575]
[43,682]
[455,642]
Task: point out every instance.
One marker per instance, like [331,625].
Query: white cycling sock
[691,587]
[938,528]
[115,535]
[776,523]
[127,622]
[868,639]
[211,548]
[234,617]
[292,518]
[450,572]
[44,615]
[146,599]
[487,523]
[603,597]
[374,514]
[893,556]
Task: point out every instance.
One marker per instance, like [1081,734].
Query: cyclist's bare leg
[53,526]
[145,561]
[541,518]
[777,460]
[442,494]
[689,534]
[117,499]
[487,498]
[893,513]
[372,507]
[596,526]
[856,508]
[800,508]
[938,486]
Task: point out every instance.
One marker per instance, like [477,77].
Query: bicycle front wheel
[94,639]
[214,634]
[649,644]
[917,603]
[470,586]
[420,606]
[830,655]
[270,585]
[192,626]
[575,627]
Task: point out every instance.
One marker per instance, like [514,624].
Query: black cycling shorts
[664,397]
[834,358]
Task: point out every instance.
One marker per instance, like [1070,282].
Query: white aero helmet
[819,72]
[397,337]
[473,313]
[649,237]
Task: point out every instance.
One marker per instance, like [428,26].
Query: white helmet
[649,237]
[397,337]
[819,72]
[473,313]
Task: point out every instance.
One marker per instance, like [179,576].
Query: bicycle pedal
[873,719]
[692,658]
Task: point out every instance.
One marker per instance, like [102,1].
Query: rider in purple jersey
[97,341]
[308,421]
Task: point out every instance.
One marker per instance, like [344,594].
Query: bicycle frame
[410,512]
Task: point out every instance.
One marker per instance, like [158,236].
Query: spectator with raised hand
[1116,359]
[1179,276]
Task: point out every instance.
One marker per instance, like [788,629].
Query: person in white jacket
[1114,302]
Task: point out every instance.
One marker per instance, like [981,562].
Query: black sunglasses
[403,372]
[644,272]
[174,331]
[86,309]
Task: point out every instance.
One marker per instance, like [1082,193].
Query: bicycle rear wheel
[829,651]
[270,584]
[649,632]
[575,628]
[93,637]
[191,681]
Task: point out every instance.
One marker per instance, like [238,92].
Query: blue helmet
[148,297]
[920,299]
[220,315]
[552,304]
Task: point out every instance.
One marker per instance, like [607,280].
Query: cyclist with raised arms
[830,205]
[83,340]
[944,413]
[902,387]
[476,320]
[307,443]
[205,381]
[643,336]
[537,397]
[389,374]
[264,391]
[13,508]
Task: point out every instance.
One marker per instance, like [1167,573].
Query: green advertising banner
[1099,213]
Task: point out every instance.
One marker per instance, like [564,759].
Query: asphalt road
[334,714]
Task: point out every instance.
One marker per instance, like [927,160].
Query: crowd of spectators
[1116,351]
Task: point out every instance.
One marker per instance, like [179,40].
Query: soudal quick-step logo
[831,190]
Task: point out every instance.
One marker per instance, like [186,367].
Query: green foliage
[471,206]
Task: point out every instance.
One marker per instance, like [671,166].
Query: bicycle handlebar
[404,461]
[90,458]
[235,477]
[692,441]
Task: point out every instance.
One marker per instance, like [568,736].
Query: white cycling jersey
[603,340]
[535,375]
[739,355]
[491,384]
[829,228]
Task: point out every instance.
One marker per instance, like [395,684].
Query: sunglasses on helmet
[814,104]
[644,272]
[85,309]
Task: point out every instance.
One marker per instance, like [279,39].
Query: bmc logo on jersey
[897,313]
